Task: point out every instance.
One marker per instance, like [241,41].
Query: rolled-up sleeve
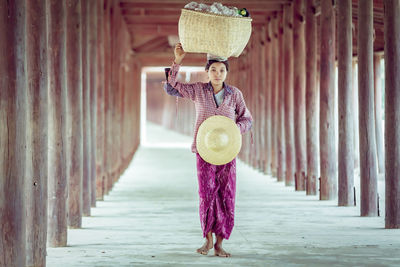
[244,119]
[171,90]
[187,90]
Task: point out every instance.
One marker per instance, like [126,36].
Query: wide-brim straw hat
[218,140]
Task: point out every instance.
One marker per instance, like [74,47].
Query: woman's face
[217,73]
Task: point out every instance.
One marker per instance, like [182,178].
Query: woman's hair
[211,61]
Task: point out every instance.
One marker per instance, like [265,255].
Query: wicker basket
[220,35]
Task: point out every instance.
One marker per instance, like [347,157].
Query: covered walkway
[150,218]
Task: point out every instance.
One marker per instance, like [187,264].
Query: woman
[217,184]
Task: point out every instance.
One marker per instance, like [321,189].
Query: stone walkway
[151,218]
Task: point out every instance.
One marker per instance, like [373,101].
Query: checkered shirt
[202,94]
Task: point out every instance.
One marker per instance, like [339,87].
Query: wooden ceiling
[153,24]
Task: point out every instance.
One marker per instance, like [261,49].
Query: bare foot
[220,252]
[206,247]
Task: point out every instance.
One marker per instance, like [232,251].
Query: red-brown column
[378,113]
[13,115]
[288,92]
[86,194]
[328,188]
[281,108]
[300,93]
[74,110]
[115,90]
[392,113]
[346,146]
[256,97]
[57,153]
[311,99]
[267,71]
[368,164]
[274,96]
[93,48]
[100,130]
[355,117]
[108,97]
[36,182]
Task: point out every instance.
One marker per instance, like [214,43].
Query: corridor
[151,218]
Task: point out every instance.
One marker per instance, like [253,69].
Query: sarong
[217,188]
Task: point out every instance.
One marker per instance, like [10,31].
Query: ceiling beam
[165,20]
[152,44]
[167,4]
[166,58]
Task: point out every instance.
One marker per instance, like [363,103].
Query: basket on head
[203,32]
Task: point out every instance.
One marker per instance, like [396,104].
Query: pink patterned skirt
[217,187]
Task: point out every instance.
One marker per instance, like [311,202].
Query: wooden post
[311,98]
[100,128]
[57,155]
[108,98]
[328,189]
[281,109]
[368,167]
[346,146]
[86,194]
[267,71]
[355,117]
[262,89]
[378,113]
[36,183]
[288,91]
[299,86]
[392,113]
[74,109]
[93,48]
[13,115]
[274,94]
[256,87]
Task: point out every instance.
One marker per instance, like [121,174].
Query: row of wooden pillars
[69,116]
[291,93]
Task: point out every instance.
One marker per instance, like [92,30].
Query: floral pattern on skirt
[217,187]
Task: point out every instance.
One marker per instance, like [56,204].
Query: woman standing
[217,184]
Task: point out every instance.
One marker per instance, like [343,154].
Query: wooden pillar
[378,113]
[281,108]
[108,97]
[288,92]
[346,146]
[100,128]
[328,183]
[13,114]
[93,48]
[57,153]
[368,165]
[355,117]
[36,183]
[274,93]
[74,112]
[300,93]
[115,29]
[267,70]
[256,97]
[86,194]
[392,113]
[311,98]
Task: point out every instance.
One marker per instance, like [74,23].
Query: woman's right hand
[179,53]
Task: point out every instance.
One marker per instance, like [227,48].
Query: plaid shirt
[202,94]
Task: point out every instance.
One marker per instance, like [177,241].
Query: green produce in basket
[243,12]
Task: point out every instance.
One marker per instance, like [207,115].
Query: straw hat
[218,140]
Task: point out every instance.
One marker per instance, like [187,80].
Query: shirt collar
[227,88]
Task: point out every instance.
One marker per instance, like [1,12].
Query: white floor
[151,218]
